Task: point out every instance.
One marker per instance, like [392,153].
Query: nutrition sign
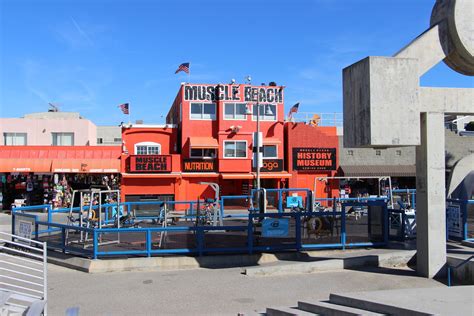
[150,163]
[314,158]
[199,165]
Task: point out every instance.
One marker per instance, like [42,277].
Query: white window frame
[62,134]
[234,107]
[270,157]
[147,144]
[203,157]
[212,116]
[235,141]
[14,135]
[263,117]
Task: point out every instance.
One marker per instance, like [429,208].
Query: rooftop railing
[319,119]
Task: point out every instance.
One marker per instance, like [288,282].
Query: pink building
[48,129]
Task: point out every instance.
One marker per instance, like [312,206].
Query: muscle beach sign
[150,163]
[233,93]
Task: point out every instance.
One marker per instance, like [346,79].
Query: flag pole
[189,73]
[129,121]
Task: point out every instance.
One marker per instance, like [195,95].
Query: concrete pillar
[430,197]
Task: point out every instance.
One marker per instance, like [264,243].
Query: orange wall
[308,136]
[220,128]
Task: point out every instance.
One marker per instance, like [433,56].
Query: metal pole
[258,144]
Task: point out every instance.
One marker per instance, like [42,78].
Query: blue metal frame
[280,196]
[463,205]
[201,231]
[408,191]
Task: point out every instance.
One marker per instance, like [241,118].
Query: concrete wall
[457,147]
[108,134]
[368,156]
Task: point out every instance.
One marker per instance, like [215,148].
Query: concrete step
[287,311]
[468,243]
[368,305]
[330,309]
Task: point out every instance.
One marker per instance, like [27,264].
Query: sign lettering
[233,93]
[271,165]
[275,227]
[199,165]
[314,158]
[150,163]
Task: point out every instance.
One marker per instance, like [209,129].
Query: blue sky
[90,56]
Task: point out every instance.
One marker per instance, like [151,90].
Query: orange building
[312,154]
[209,138]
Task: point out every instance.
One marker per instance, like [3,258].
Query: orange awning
[274,175]
[25,165]
[237,176]
[253,175]
[86,165]
[151,175]
[271,141]
[200,175]
[203,142]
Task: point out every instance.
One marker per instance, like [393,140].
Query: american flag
[183,67]
[124,108]
[294,109]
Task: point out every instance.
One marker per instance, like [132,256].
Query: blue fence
[340,227]
[460,219]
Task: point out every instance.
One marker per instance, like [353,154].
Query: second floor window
[148,148]
[14,139]
[270,151]
[203,111]
[63,139]
[235,111]
[267,112]
[235,149]
[203,153]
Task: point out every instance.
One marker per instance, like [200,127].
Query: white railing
[321,119]
[23,275]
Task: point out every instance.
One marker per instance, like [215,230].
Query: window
[235,111]
[267,112]
[350,152]
[100,140]
[270,151]
[399,152]
[235,149]
[14,139]
[63,139]
[203,111]
[203,152]
[117,140]
[378,152]
[147,148]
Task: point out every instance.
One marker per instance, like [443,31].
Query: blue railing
[247,239]
[463,232]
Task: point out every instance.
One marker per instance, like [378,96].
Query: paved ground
[207,291]
[450,301]
[5,223]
